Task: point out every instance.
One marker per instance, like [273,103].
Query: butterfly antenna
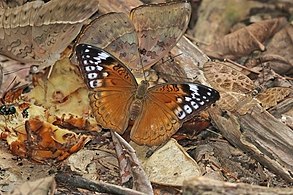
[142,68]
[177,76]
[170,59]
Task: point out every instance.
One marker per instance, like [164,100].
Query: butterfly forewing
[112,86]
[166,107]
[159,27]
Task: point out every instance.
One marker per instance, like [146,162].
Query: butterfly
[117,99]
[38,32]
[141,38]
[237,90]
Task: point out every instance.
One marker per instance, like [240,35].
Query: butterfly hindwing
[166,107]
[159,27]
[115,33]
[112,86]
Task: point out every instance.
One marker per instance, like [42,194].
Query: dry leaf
[64,95]
[42,142]
[43,186]
[170,165]
[245,40]
[279,51]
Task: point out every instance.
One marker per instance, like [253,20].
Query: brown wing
[272,96]
[224,77]
[115,33]
[166,107]
[159,27]
[37,31]
[112,86]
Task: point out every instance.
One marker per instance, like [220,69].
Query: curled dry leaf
[245,40]
[279,52]
[130,166]
[42,142]
[193,127]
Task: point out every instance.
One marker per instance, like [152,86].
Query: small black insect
[25,113]
[7,110]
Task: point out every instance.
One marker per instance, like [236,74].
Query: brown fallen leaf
[245,40]
[278,54]
[42,142]
[43,186]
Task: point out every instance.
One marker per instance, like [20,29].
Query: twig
[79,182]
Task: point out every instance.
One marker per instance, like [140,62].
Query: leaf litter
[61,113]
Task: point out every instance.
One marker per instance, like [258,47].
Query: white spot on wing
[92,75]
[187,109]
[95,83]
[194,105]
[90,68]
[99,68]
[180,113]
[188,99]
[105,74]
[179,100]
[195,89]
[101,56]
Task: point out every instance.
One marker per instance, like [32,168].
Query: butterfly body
[116,98]
[137,104]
